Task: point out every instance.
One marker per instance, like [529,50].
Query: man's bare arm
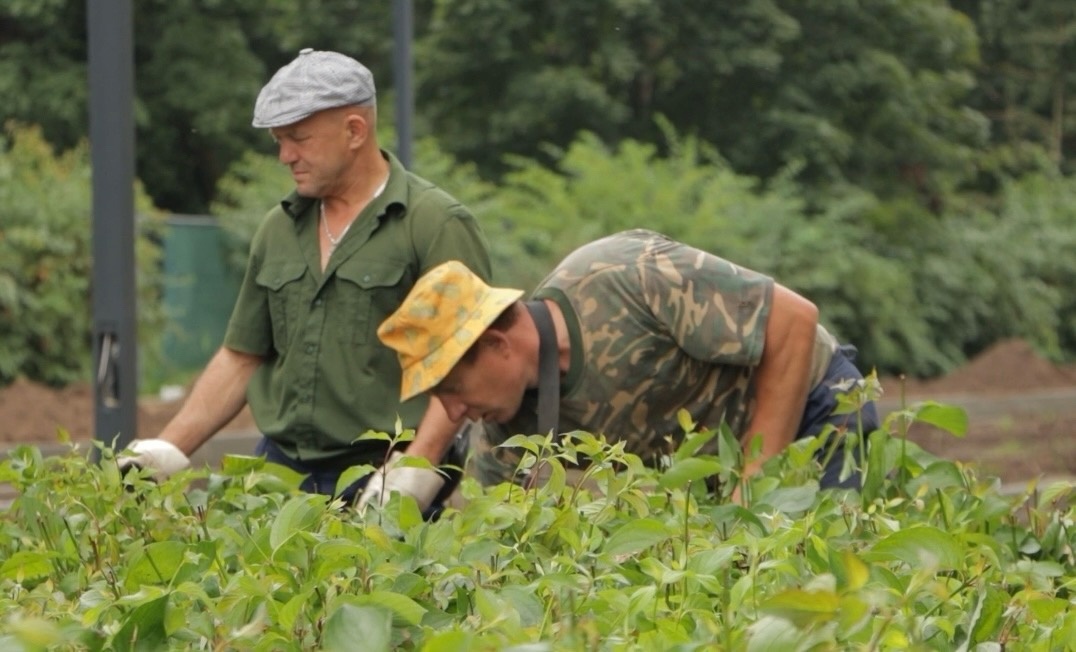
[782,378]
[435,433]
[218,395]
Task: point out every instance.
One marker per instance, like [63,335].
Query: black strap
[548,369]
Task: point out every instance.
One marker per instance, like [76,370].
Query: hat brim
[425,373]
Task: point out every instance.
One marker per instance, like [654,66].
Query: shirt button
[317,302]
[310,348]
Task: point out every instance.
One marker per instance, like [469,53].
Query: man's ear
[358,129]
[496,341]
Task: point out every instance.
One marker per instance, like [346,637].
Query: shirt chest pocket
[284,295]
[369,292]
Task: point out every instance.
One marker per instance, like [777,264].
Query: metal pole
[402,28]
[111,81]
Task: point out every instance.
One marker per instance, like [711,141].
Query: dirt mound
[33,412]
[1007,366]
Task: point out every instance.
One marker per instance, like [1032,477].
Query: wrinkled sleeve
[250,328]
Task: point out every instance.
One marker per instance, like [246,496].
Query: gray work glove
[419,483]
[161,458]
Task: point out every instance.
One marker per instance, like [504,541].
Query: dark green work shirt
[327,378]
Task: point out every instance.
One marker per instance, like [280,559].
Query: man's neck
[366,182]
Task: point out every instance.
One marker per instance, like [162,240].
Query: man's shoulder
[605,259]
[426,198]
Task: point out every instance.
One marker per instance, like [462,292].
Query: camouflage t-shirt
[655,327]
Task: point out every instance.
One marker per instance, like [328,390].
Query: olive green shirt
[327,378]
[655,327]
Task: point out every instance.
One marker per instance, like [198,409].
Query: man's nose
[454,408]
[285,153]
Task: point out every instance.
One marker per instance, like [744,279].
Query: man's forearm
[434,434]
[218,395]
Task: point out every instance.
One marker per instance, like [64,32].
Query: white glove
[160,458]
[421,484]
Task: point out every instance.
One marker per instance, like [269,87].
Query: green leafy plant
[45,262]
[604,554]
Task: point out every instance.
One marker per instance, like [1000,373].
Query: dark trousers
[321,477]
[821,402]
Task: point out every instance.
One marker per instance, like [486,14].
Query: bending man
[644,327]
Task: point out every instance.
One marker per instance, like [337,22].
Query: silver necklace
[333,242]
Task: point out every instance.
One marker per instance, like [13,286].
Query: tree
[1027,85]
[198,67]
[43,68]
[45,261]
[869,93]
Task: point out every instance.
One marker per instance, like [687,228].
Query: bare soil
[1021,413]
[1021,408]
[34,413]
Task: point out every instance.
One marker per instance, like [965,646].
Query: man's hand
[419,483]
[161,458]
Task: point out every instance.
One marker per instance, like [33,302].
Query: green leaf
[240,464]
[494,611]
[328,552]
[792,499]
[289,476]
[453,641]
[143,628]
[852,574]
[529,443]
[709,562]
[694,441]
[731,514]
[634,536]
[939,475]
[771,634]
[287,614]
[296,515]
[374,435]
[33,633]
[522,599]
[687,424]
[352,627]
[987,617]
[920,547]
[950,418]
[157,563]
[689,470]
[26,565]
[802,607]
[353,474]
[407,609]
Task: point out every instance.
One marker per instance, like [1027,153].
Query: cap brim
[425,373]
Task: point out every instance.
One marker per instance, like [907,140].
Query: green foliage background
[907,166]
[45,262]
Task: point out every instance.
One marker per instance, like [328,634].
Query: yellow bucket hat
[443,316]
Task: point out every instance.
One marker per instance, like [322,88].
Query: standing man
[326,266]
[643,327]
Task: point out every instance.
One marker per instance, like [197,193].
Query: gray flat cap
[313,82]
